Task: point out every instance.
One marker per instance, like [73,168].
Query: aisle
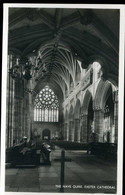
[85,173]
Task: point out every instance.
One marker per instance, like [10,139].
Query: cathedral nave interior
[62,83]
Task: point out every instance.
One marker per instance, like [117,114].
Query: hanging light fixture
[29,68]
[27,71]
[14,71]
[24,69]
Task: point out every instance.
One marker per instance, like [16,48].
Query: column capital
[97,108]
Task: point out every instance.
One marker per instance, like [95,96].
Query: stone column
[10,106]
[73,135]
[84,128]
[15,132]
[18,112]
[116,115]
[71,131]
[20,134]
[19,120]
[11,113]
[23,117]
[12,110]
[31,114]
[28,117]
[32,118]
[98,119]
[26,131]
[62,130]
[66,131]
[29,110]
[77,130]
[81,128]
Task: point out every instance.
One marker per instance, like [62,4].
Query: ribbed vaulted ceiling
[64,35]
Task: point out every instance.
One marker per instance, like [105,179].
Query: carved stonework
[96,108]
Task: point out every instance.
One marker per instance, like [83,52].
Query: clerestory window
[46,106]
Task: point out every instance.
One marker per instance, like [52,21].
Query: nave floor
[84,174]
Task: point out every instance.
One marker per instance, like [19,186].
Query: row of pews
[68,145]
[102,150]
[28,154]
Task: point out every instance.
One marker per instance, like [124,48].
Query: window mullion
[49,102]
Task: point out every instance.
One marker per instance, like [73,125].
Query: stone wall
[54,128]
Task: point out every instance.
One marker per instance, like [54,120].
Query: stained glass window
[46,106]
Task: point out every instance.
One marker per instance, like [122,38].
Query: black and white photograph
[62,99]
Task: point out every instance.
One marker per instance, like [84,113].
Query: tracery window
[46,106]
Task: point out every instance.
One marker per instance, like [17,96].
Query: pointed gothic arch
[101,93]
[46,134]
[87,117]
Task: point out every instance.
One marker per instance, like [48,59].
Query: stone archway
[101,92]
[46,135]
[108,117]
[87,117]
[105,97]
